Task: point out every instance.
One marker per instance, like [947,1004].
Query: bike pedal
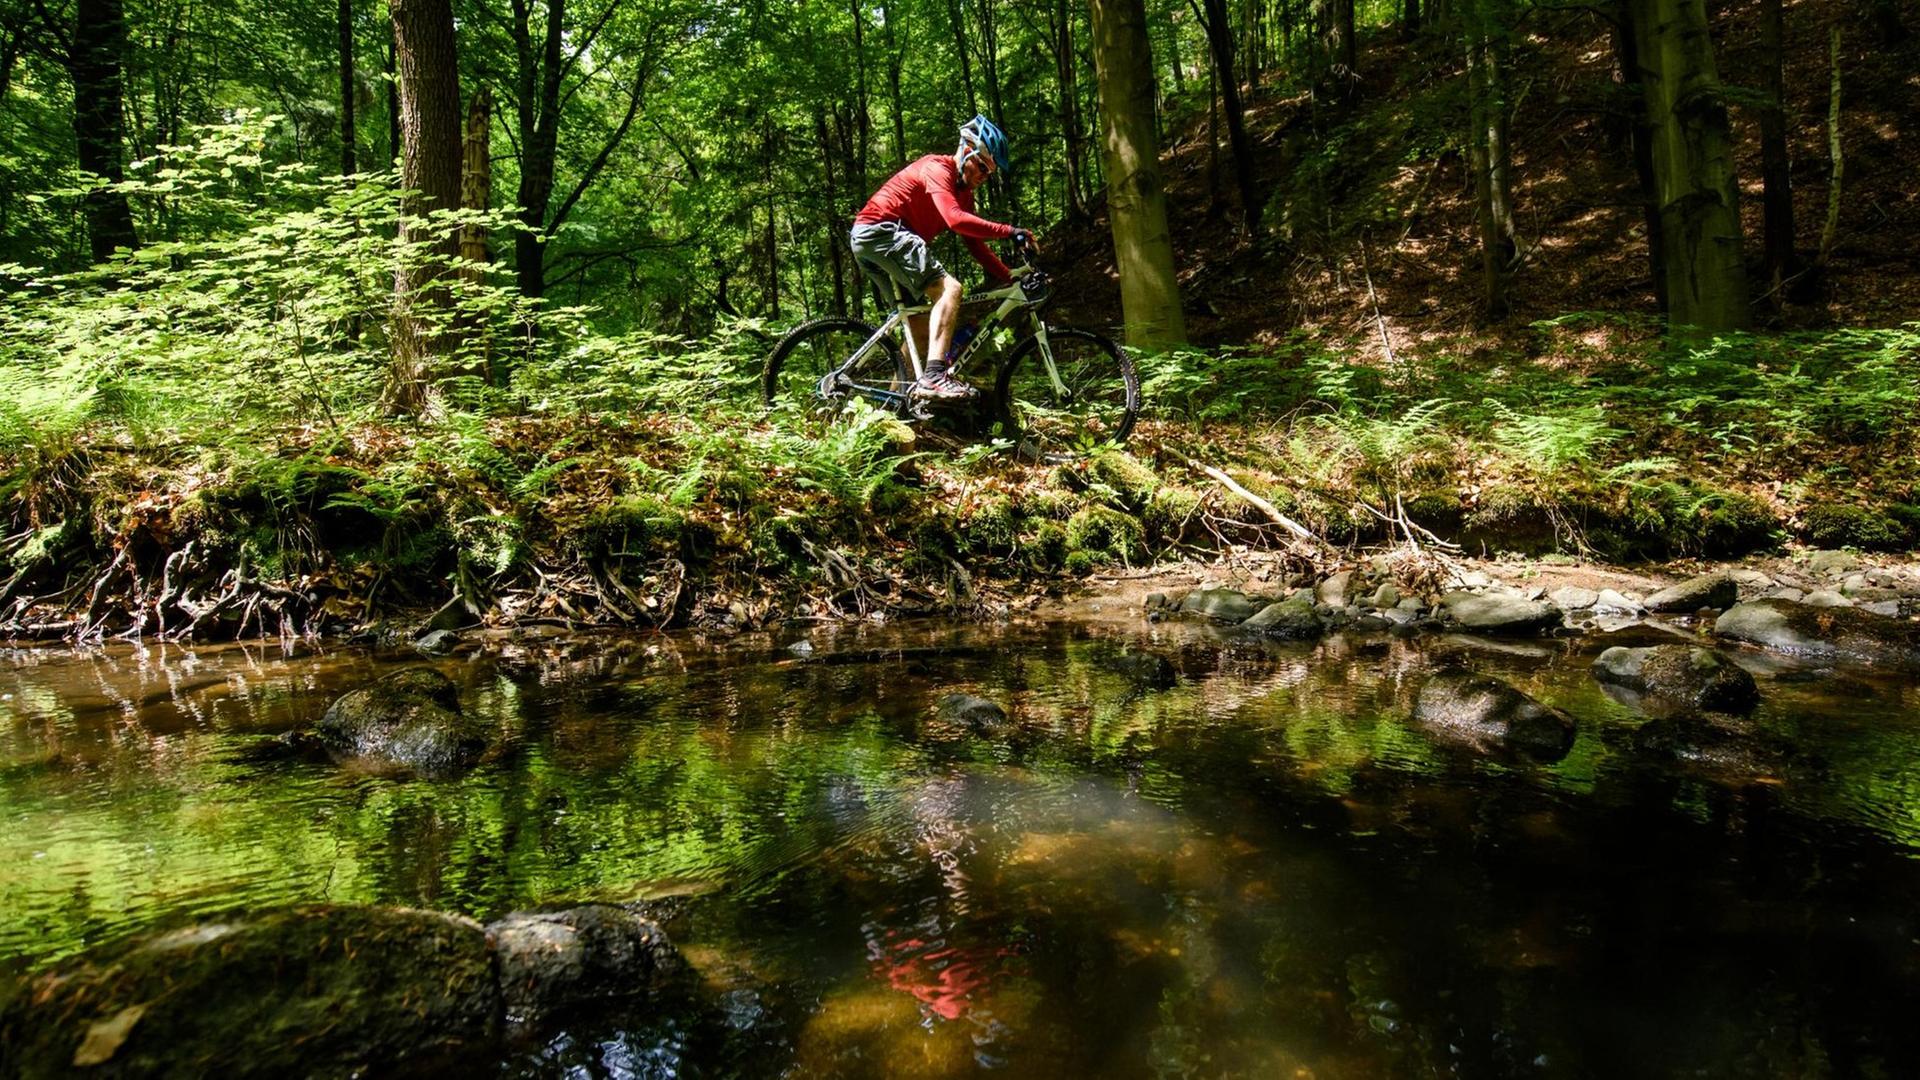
[917,410]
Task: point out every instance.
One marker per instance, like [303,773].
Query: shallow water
[1263,869]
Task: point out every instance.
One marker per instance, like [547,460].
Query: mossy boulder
[1171,511]
[1104,530]
[1833,525]
[991,526]
[1823,633]
[1678,678]
[1132,482]
[1485,714]
[410,718]
[631,526]
[1046,548]
[322,991]
[1292,619]
[1733,524]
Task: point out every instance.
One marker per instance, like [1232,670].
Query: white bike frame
[1011,299]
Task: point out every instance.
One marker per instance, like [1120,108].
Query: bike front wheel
[797,369]
[1089,397]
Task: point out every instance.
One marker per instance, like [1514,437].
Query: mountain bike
[1059,391]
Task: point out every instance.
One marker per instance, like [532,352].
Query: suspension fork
[1045,349]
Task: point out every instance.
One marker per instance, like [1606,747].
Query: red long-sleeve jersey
[929,198]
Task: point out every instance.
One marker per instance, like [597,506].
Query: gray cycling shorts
[891,252]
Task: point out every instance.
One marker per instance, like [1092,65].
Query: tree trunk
[1065,71]
[1410,20]
[1776,178]
[537,115]
[95,64]
[1136,196]
[476,182]
[393,106]
[348,164]
[1692,166]
[890,11]
[1639,136]
[836,228]
[1219,29]
[1488,152]
[958,20]
[428,79]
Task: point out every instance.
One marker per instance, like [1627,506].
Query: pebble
[1826,598]
[1574,598]
[1611,600]
[1785,592]
[1882,607]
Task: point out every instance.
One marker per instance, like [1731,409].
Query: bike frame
[1009,300]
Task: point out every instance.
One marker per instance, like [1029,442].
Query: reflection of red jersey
[929,198]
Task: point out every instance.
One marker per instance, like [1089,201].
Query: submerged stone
[555,960]
[1224,605]
[973,711]
[1679,676]
[1487,714]
[1144,669]
[410,718]
[1840,633]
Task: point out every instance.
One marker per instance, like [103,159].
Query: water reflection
[1183,853]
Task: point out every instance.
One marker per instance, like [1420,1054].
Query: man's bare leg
[945,295]
[917,333]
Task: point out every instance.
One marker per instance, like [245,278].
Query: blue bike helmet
[980,135]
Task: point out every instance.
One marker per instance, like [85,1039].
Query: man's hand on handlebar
[1024,238]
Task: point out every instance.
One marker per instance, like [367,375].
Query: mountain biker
[923,200]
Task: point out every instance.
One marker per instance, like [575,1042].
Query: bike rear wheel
[1096,401]
[810,351]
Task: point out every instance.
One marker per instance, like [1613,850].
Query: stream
[1185,852]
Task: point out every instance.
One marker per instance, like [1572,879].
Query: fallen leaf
[105,1037]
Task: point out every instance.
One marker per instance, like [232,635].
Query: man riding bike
[923,200]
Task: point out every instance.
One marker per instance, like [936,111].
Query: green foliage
[1170,512]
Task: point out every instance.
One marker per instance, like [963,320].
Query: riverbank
[650,490]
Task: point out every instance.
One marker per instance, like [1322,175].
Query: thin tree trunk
[1832,227]
[537,114]
[393,106]
[958,20]
[1692,166]
[889,11]
[429,87]
[1136,195]
[1776,178]
[476,182]
[836,229]
[1488,153]
[1065,81]
[95,64]
[862,109]
[1410,20]
[348,165]
[772,234]
[1218,25]
[1639,135]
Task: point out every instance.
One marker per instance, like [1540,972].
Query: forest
[325,312]
[1424,583]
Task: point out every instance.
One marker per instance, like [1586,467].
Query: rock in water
[1679,676]
[1487,714]
[555,960]
[1225,605]
[323,991]
[1496,613]
[410,718]
[1144,669]
[1715,590]
[1825,633]
[326,991]
[974,712]
[1292,619]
